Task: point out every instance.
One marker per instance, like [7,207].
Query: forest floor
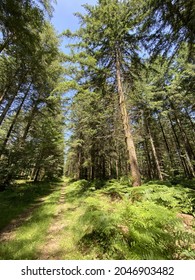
[46,229]
[77,220]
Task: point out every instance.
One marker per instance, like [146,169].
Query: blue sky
[63,17]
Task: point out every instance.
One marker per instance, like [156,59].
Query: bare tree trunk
[190,120]
[8,88]
[178,147]
[154,151]
[11,127]
[150,169]
[10,101]
[5,44]
[2,96]
[14,121]
[8,105]
[166,142]
[30,119]
[188,148]
[117,168]
[37,174]
[126,126]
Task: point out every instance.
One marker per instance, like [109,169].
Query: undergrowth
[122,222]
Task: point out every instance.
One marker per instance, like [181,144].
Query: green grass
[28,236]
[116,221]
[75,195]
[102,220]
[18,198]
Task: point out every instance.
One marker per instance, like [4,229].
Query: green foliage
[100,222]
[122,222]
[172,197]
[139,231]
[32,140]
[100,228]
[158,93]
[152,230]
[173,22]
[116,189]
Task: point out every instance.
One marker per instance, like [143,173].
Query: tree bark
[126,126]
[154,151]
[9,104]
[37,174]
[178,147]
[14,121]
[10,85]
[148,160]
[190,120]
[165,140]
[30,119]
[188,148]
[4,44]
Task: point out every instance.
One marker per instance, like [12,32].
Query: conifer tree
[105,35]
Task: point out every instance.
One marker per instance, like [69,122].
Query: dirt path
[51,248]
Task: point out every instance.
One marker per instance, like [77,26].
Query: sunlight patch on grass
[32,232]
[120,222]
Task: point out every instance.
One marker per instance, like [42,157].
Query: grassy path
[63,232]
[51,247]
[45,229]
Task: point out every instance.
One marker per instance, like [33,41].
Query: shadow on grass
[182,182]
[25,241]
[79,190]
[19,198]
[29,236]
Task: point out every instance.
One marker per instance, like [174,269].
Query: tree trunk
[188,148]
[178,147]
[37,174]
[11,127]
[154,151]
[7,107]
[14,121]
[10,101]
[2,96]
[190,120]
[4,44]
[30,119]
[10,85]
[165,140]
[148,160]
[117,169]
[126,126]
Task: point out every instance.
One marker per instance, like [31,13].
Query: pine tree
[105,35]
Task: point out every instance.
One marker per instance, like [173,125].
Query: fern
[151,230]
[139,231]
[121,222]
[177,197]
